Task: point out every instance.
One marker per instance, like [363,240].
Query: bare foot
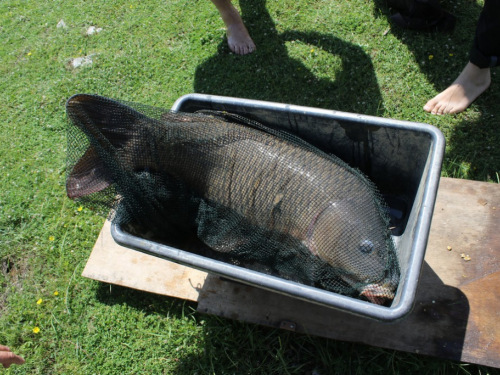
[238,38]
[471,83]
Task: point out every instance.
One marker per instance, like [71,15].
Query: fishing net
[232,189]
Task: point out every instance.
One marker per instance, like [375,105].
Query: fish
[273,180]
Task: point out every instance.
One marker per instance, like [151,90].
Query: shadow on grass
[271,74]
[109,294]
[441,56]
[473,151]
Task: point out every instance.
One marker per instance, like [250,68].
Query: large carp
[275,182]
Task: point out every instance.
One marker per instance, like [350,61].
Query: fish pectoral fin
[311,245]
[221,228]
[88,176]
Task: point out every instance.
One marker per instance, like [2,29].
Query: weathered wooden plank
[457,309]
[467,218]
[114,264]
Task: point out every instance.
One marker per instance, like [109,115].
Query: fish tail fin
[88,176]
[104,120]
[108,125]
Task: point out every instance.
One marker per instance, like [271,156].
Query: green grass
[322,53]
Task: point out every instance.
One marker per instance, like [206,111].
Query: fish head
[356,241]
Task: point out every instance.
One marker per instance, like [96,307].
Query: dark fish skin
[270,181]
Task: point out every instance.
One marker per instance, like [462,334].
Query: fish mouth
[380,292]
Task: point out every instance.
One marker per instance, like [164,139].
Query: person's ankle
[480,76]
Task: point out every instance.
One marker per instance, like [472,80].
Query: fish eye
[366,247]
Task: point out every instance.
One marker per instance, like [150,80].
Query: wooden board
[115,264]
[457,308]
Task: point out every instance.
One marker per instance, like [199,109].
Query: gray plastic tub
[402,158]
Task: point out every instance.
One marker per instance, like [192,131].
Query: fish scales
[269,181]
[256,159]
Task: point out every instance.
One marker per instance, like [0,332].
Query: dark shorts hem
[482,61]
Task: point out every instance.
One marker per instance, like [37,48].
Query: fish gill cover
[234,190]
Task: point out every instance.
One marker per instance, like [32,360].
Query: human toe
[430,105]
[443,109]
[436,109]
[234,48]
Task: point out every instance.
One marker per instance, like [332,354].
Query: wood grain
[115,264]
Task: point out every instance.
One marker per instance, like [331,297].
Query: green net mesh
[234,190]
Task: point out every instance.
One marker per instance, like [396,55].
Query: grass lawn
[341,55]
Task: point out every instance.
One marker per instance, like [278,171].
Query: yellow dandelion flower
[56,293]
[29,53]
[79,208]
[52,238]
[312,50]
[36,330]
[451,54]
[39,302]
[431,57]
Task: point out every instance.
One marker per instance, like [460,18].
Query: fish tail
[107,121]
[108,125]
[88,176]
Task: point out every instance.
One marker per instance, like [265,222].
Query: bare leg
[238,39]
[471,83]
